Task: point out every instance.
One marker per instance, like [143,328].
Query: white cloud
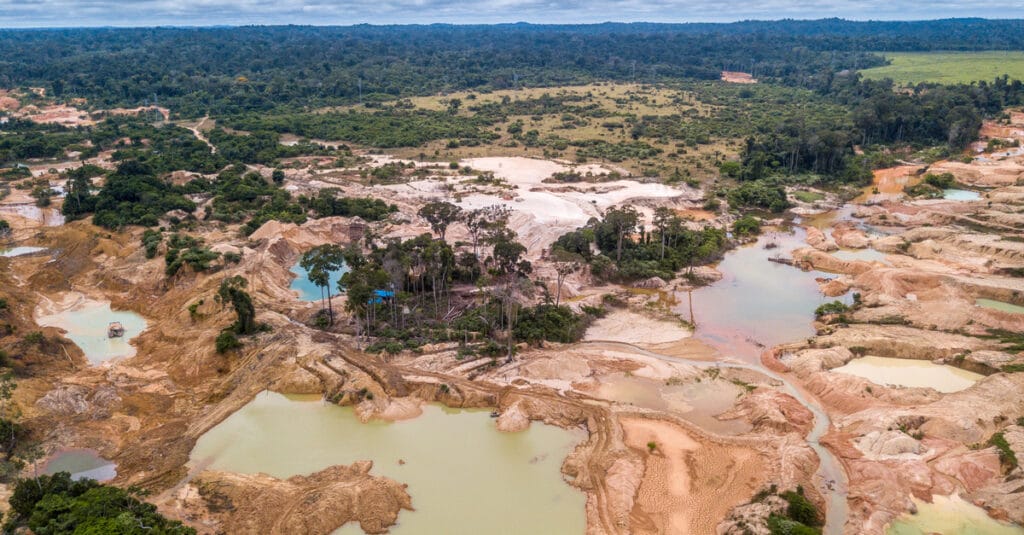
[29,13]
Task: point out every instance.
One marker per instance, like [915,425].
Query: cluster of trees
[57,504]
[134,195]
[392,127]
[627,251]
[404,293]
[232,292]
[328,203]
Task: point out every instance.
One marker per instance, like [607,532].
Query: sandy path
[688,487]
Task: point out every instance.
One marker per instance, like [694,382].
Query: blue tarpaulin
[379,296]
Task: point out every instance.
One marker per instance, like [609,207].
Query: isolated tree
[440,214]
[624,221]
[5,228]
[482,221]
[319,262]
[662,219]
[232,290]
[565,264]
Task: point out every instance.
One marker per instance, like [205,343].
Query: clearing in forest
[909,68]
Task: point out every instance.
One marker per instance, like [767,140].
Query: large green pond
[464,476]
[999,305]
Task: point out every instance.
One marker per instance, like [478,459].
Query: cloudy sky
[35,13]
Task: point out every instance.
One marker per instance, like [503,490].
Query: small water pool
[953,194]
[910,372]
[86,325]
[464,476]
[81,464]
[999,305]
[309,291]
[697,402]
[950,515]
[20,251]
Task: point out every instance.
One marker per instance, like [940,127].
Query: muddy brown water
[464,476]
[950,515]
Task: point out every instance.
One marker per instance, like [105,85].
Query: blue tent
[380,295]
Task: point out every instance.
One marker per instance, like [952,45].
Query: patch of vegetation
[327,203]
[48,505]
[808,196]
[759,194]
[746,226]
[185,250]
[133,195]
[624,257]
[835,307]
[1006,454]
[393,127]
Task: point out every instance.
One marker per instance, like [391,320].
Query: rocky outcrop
[817,239]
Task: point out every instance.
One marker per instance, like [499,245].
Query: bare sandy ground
[738,77]
[687,486]
[632,328]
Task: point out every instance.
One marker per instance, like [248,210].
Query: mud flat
[910,372]
[86,321]
[950,515]
[697,402]
[464,476]
[81,463]
[49,217]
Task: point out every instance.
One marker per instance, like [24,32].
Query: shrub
[1006,455]
[227,341]
[835,307]
[801,509]
[746,226]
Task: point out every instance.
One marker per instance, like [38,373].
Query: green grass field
[948,67]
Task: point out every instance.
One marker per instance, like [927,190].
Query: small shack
[115,330]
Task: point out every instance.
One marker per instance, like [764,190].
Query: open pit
[454,462]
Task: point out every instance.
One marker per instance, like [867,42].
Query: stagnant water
[910,372]
[50,217]
[757,304]
[86,325]
[999,305]
[81,463]
[950,515]
[464,476]
[953,194]
[20,251]
[697,402]
[309,291]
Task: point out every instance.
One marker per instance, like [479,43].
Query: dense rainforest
[229,70]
